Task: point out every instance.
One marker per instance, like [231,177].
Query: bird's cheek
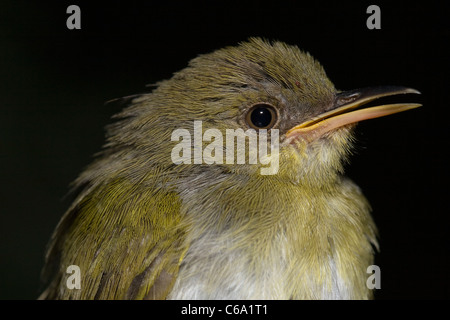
[307,137]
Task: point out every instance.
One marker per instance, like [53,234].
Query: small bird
[173,208]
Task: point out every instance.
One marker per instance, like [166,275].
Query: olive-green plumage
[143,227]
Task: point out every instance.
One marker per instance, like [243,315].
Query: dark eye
[261,116]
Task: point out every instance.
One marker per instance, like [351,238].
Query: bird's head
[185,123]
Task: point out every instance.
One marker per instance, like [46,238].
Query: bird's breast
[288,245]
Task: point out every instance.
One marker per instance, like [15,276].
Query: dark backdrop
[54,83]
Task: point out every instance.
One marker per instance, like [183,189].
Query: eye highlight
[261,116]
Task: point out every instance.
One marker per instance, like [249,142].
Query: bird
[152,221]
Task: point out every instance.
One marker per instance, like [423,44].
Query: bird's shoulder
[128,241]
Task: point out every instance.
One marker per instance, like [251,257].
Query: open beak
[341,114]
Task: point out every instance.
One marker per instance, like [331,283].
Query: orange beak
[342,115]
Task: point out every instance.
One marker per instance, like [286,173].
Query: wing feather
[127,239]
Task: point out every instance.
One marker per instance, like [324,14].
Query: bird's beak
[341,114]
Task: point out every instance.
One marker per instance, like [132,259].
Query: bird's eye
[261,116]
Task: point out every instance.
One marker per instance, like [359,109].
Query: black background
[54,83]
